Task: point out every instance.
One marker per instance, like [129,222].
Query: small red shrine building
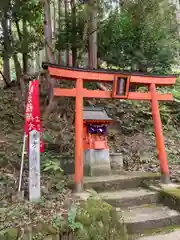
[95,144]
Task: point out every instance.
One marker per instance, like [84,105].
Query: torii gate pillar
[78,178]
[158,130]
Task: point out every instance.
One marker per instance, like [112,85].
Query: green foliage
[143,35]
[94,220]
[61,225]
[9,234]
[176,89]
[72,221]
[50,162]
[26,29]
[47,137]
[38,236]
[71,29]
[58,222]
[29,13]
[50,166]
[100,221]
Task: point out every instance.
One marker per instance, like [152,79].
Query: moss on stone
[153,232]
[45,229]
[151,175]
[170,197]
[10,234]
[174,192]
[42,228]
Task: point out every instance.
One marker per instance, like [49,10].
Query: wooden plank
[156,80]
[34,166]
[147,96]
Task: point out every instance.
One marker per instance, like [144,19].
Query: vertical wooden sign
[34,166]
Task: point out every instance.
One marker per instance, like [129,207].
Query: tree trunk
[59,20]
[49,56]
[92,34]
[178,14]
[121,2]
[48,43]
[54,19]
[74,48]
[67,29]
[18,69]
[85,36]
[25,54]
[142,68]
[48,32]
[6,66]
[17,64]
[22,38]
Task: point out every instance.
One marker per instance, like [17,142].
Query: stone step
[117,182]
[174,235]
[130,197]
[139,219]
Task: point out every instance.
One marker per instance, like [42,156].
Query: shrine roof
[95,113]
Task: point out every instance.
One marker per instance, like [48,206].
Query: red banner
[32,112]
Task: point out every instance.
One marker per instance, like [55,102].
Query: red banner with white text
[32,112]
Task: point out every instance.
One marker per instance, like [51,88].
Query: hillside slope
[131,134]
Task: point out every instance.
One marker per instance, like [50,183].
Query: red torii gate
[122,81]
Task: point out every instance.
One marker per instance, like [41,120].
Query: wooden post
[79,136]
[159,135]
[34,166]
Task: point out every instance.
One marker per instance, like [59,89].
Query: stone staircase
[144,214]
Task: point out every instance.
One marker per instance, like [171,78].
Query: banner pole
[22,162]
